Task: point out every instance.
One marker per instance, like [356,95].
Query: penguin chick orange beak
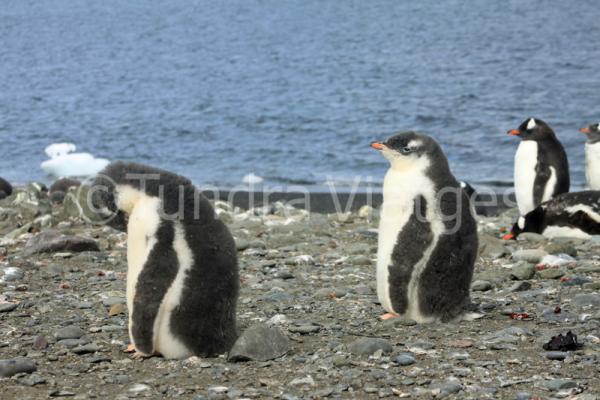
[514,132]
[377,146]
[508,236]
[585,130]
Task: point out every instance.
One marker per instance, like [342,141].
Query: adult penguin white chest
[182,278]
[541,168]
[592,156]
[426,247]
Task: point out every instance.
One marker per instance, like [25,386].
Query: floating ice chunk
[252,179]
[63,162]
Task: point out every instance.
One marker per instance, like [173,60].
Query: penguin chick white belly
[143,225]
[524,175]
[400,191]
[592,165]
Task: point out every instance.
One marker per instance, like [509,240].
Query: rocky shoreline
[307,309]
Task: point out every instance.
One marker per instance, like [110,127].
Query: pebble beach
[307,314]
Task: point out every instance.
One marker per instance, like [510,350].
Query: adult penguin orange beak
[585,130]
[514,132]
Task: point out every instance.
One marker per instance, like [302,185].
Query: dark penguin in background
[6,188]
[182,276]
[541,167]
[574,214]
[58,190]
[427,234]
[592,155]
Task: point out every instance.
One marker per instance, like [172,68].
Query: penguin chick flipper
[387,316]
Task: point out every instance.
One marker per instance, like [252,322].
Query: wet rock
[260,343]
[522,271]
[368,346]
[305,329]
[14,366]
[529,255]
[40,342]
[446,388]
[53,241]
[69,332]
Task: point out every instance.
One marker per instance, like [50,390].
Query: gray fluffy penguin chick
[427,234]
[182,273]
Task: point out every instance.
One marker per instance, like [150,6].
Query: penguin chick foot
[136,354]
[387,316]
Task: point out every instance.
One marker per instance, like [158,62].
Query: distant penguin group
[542,183]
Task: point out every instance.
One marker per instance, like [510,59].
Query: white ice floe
[252,179]
[64,162]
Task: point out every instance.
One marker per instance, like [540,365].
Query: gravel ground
[308,288]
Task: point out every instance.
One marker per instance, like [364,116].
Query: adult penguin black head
[532,222]
[592,132]
[533,129]
[409,150]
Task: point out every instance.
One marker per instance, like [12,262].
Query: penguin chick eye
[407,150]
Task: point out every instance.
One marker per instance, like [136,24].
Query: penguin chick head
[409,150]
[532,129]
[103,198]
[532,222]
[592,132]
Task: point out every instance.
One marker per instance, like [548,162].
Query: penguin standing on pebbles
[575,214]
[541,167]
[592,156]
[427,234]
[182,276]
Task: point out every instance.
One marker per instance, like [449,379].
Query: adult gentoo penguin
[592,155]
[541,167]
[182,276]
[574,214]
[427,234]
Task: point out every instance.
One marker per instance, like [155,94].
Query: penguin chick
[592,155]
[182,274]
[541,167]
[575,214]
[427,234]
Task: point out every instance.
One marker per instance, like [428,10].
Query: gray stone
[584,299]
[86,349]
[15,366]
[260,343]
[530,255]
[561,248]
[522,271]
[481,286]
[51,241]
[551,273]
[404,359]
[111,301]
[12,274]
[6,307]
[304,329]
[368,346]
[69,332]
[560,384]
[446,388]
[491,247]
[532,237]
[556,355]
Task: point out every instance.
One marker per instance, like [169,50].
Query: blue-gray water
[293,91]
